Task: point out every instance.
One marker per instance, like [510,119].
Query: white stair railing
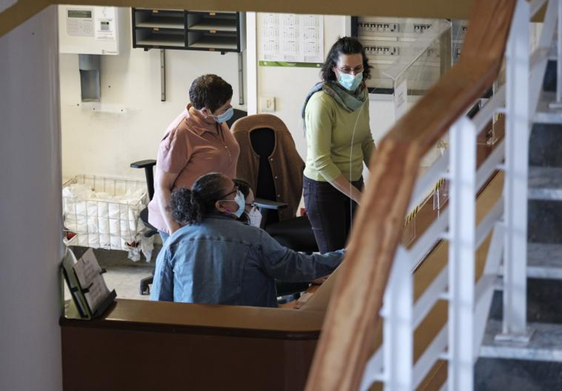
[459,339]
[461,238]
[516,174]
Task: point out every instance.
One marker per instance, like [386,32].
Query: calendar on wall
[291,40]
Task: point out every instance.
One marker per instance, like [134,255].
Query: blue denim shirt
[223,261]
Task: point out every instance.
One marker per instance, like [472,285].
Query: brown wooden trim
[249,322]
[19,13]
[190,329]
[349,330]
[459,9]
[401,8]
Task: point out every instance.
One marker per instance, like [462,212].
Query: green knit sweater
[332,148]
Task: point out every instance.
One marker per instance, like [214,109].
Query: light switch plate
[267,104]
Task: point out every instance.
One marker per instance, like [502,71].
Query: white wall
[129,122]
[30,207]
[289,86]
[127,125]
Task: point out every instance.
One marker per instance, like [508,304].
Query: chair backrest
[263,143]
[269,161]
[148,166]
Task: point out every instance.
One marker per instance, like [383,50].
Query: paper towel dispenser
[90,77]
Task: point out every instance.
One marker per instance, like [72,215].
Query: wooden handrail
[348,335]
[458,9]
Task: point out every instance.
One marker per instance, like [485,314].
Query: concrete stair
[538,364]
[545,345]
[544,261]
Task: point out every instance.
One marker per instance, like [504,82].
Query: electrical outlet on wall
[267,104]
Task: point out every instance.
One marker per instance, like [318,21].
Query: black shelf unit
[188,30]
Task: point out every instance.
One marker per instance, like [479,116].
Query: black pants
[330,213]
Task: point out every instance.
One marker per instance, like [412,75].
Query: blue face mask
[240,201]
[350,82]
[225,116]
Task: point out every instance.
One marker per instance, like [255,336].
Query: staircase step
[549,83]
[544,261]
[517,375]
[543,301]
[545,114]
[545,344]
[544,221]
[545,183]
[553,53]
[542,145]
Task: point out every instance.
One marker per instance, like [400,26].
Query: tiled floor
[125,280]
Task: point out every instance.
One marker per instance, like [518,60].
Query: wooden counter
[142,345]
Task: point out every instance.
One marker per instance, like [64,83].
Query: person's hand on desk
[319,281]
[314,285]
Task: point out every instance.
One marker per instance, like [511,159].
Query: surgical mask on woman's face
[254,217]
[350,82]
[241,202]
[225,116]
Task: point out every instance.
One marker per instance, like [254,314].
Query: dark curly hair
[191,206]
[344,45]
[209,91]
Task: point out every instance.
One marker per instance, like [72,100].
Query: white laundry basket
[104,212]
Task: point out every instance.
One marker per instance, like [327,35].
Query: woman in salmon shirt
[197,142]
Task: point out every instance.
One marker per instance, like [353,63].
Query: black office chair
[295,232]
[148,166]
[291,231]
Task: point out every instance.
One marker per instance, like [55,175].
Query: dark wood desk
[142,345]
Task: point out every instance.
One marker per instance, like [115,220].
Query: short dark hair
[344,45]
[191,206]
[209,91]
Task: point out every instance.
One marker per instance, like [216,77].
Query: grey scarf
[350,101]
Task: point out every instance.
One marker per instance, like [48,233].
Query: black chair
[148,166]
[294,233]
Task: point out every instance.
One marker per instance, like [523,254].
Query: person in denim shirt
[216,259]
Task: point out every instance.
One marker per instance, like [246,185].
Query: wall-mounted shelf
[162,40]
[169,23]
[188,30]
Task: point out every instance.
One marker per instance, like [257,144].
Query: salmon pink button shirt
[192,147]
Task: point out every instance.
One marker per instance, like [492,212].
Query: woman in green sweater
[339,141]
